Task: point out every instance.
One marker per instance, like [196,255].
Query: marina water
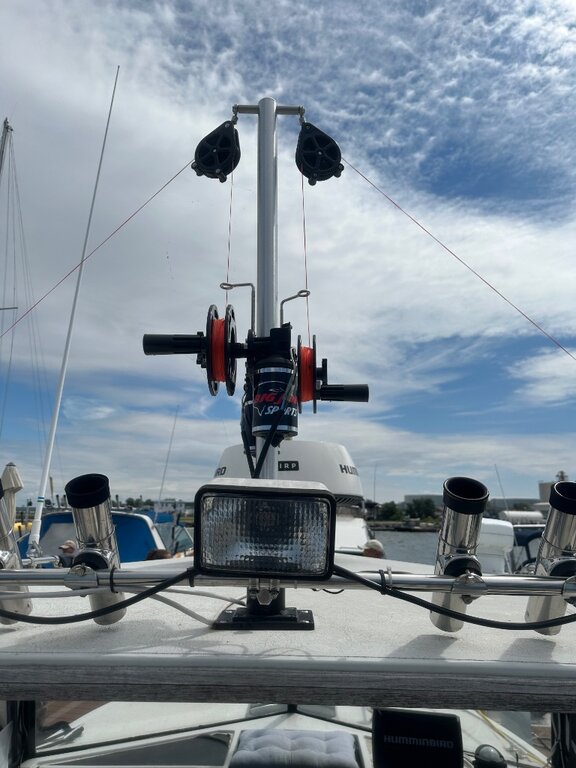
[411,546]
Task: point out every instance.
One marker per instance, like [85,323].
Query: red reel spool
[215,349]
[306,373]
[220,360]
[229,343]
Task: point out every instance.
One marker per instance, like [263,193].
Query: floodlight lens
[266,535]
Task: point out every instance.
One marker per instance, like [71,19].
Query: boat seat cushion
[297,749]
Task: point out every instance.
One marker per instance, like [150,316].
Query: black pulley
[317,155]
[218,153]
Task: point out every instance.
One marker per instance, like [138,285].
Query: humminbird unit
[401,738]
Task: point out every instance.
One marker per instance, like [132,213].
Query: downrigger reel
[279,378]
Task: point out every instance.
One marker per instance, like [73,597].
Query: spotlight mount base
[242,618]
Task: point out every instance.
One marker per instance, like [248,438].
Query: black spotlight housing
[218,153]
[317,155]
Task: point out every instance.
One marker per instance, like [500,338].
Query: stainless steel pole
[267,282]
[267,243]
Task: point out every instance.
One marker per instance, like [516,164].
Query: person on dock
[67,553]
[373,548]
[158,554]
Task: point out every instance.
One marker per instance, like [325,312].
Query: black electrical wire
[247,451]
[290,389]
[384,589]
[188,574]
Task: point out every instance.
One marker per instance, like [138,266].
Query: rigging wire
[305,247]
[443,245]
[97,248]
[39,368]
[229,249]
[15,242]
[501,486]
[167,457]
[34,538]
[398,207]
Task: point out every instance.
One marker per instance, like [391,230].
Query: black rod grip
[352,393]
[165,344]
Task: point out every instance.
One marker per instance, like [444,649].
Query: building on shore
[170,506]
[494,507]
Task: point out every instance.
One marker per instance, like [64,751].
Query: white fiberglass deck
[365,650]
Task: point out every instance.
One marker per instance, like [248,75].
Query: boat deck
[366,649]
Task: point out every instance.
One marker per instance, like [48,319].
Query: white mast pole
[34,540]
[267,282]
[267,243]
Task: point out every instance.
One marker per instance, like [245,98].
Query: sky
[439,264]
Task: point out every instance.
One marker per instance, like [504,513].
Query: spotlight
[264,529]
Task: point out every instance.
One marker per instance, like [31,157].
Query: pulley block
[218,153]
[219,359]
[317,155]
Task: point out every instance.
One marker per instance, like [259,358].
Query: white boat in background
[312,461]
[269,647]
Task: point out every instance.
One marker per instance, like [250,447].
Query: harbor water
[411,546]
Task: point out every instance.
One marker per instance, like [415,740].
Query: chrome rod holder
[464,503]
[557,553]
[10,560]
[89,497]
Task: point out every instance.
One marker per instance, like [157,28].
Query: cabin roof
[366,649]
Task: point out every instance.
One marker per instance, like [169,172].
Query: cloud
[85,409]
[546,379]
[461,114]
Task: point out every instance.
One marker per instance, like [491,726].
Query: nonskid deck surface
[366,649]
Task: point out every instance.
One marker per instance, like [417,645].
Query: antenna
[501,486]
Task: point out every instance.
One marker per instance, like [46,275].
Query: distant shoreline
[380,525]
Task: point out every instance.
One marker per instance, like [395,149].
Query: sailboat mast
[6,129]
[34,538]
